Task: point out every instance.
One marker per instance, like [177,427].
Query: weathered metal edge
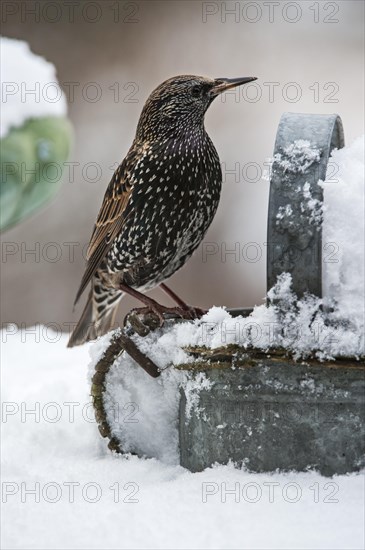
[235,356]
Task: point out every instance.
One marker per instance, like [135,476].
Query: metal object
[294,236]
[119,343]
[266,411]
[270,413]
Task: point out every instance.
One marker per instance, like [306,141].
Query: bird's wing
[110,218]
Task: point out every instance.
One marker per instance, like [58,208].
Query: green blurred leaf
[32,160]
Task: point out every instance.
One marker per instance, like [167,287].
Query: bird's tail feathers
[98,315]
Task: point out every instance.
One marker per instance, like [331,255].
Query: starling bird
[158,206]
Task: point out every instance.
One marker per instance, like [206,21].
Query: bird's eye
[196,91]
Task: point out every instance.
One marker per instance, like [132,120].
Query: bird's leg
[152,305]
[173,296]
[195,311]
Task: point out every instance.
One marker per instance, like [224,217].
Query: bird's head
[180,103]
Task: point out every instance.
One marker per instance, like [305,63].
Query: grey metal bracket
[294,235]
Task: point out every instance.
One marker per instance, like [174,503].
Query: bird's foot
[144,319]
[161,312]
[192,312]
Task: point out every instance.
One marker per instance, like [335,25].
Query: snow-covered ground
[61,488]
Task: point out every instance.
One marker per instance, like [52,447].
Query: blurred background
[109,55]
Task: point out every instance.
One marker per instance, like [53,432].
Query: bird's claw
[144,319]
[194,312]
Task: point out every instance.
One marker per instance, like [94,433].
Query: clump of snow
[142,411]
[295,158]
[343,261]
[305,327]
[29,86]
[298,156]
[310,213]
[285,219]
[192,388]
[130,393]
[284,211]
[313,208]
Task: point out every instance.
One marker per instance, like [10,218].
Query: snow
[142,411]
[121,502]
[29,86]
[343,264]
[155,433]
[298,156]
[312,207]
[302,327]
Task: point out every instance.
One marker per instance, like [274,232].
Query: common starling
[158,206]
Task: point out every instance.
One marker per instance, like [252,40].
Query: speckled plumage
[159,203]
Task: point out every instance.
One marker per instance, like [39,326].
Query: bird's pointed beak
[223,84]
